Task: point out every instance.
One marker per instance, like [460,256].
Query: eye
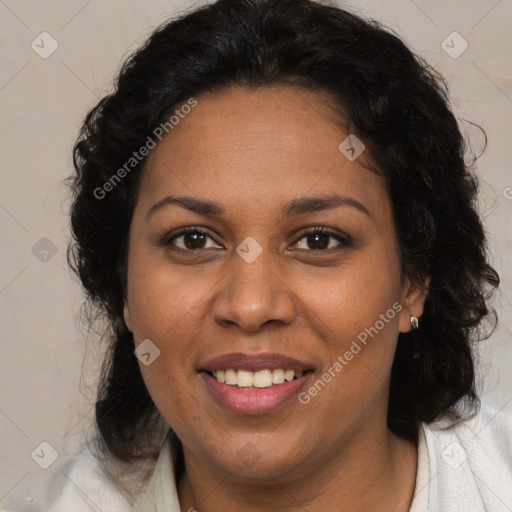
[192,239]
[317,240]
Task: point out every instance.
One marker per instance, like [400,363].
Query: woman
[274,214]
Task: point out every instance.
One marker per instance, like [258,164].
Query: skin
[252,151]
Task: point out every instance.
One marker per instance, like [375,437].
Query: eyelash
[345,242]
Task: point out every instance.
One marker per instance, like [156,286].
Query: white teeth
[288,375]
[244,379]
[259,379]
[262,379]
[230,376]
[278,376]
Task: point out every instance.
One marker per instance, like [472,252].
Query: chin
[257,464]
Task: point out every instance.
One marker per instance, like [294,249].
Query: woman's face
[252,288]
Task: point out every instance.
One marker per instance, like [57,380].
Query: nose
[253,295]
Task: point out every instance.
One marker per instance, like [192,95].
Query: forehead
[279,141]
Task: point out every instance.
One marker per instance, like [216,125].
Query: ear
[413,301]
[127,316]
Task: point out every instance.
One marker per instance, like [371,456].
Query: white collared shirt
[464,468]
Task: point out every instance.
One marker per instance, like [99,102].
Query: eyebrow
[298,206]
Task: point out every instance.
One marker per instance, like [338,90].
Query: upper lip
[255,362]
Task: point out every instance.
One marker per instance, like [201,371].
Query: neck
[379,475]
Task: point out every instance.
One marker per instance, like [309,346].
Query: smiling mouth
[263,379]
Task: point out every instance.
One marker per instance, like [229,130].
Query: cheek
[355,313]
[173,397]
[353,297]
[163,300]
[166,308]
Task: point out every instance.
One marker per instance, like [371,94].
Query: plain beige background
[43,101]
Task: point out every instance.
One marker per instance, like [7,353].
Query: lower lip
[255,401]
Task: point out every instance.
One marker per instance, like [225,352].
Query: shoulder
[489,431]
[78,483]
[471,462]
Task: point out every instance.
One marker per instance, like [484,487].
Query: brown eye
[192,239]
[323,240]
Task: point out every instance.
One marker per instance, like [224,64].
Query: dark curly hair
[395,102]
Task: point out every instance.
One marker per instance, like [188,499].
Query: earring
[416,331]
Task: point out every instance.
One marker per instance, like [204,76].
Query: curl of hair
[395,102]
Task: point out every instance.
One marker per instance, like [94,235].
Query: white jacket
[465,468]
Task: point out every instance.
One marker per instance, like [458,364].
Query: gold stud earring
[414,322]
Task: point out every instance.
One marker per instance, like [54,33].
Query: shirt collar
[162,495]
[421,491]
